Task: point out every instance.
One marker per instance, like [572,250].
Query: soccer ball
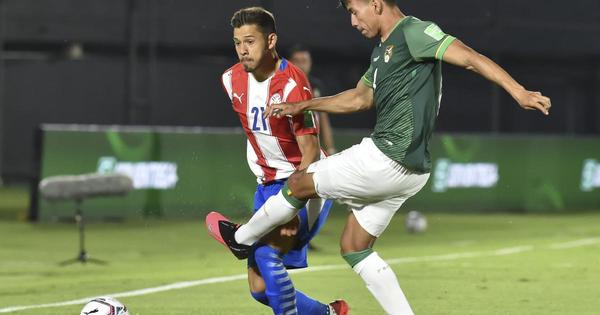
[415,222]
[104,306]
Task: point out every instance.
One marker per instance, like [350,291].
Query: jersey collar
[395,27]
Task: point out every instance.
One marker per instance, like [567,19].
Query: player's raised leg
[276,211]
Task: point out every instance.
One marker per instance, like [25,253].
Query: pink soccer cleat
[223,231]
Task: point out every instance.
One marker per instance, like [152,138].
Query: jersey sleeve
[227,83]
[306,123]
[367,78]
[426,40]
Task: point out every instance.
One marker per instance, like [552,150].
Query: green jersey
[406,78]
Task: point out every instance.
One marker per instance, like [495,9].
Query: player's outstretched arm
[309,147]
[461,55]
[357,99]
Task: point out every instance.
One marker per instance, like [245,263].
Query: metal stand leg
[83,256]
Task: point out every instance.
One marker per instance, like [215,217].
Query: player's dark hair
[298,48]
[389,2]
[255,16]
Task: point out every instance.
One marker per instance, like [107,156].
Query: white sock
[383,284]
[275,212]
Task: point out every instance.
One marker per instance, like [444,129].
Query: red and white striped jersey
[272,151]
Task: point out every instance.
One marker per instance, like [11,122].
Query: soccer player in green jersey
[375,177]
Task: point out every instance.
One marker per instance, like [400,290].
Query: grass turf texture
[14,202]
[151,253]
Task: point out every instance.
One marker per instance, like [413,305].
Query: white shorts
[370,183]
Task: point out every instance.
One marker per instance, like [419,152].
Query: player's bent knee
[301,185]
[347,248]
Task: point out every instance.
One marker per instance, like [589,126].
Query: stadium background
[157,64]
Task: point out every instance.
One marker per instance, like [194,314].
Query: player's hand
[283,238]
[534,101]
[281,110]
[289,229]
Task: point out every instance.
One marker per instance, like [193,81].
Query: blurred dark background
[158,62]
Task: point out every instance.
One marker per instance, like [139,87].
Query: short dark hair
[389,2]
[254,16]
[298,48]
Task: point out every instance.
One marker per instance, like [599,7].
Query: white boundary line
[397,261]
[577,243]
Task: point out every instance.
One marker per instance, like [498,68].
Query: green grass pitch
[454,268]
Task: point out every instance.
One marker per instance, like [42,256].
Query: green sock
[295,202]
[355,257]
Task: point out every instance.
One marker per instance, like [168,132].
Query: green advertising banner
[176,172]
[512,173]
[186,172]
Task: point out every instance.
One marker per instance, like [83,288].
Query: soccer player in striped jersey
[374,178]
[276,148]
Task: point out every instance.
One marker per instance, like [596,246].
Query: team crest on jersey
[275,99]
[388,53]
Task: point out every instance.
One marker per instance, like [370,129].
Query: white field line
[398,261]
[168,287]
[577,243]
